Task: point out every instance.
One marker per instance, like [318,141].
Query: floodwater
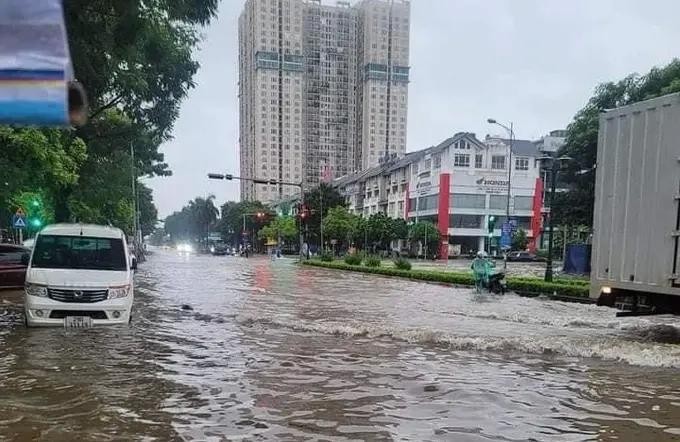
[273,351]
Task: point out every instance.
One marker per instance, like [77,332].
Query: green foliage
[425,233]
[576,206]
[340,225]
[137,56]
[353,259]
[282,227]
[135,61]
[194,221]
[326,256]
[534,286]
[322,196]
[231,221]
[372,261]
[520,240]
[402,263]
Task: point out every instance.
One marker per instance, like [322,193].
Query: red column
[536,217]
[443,214]
[407,204]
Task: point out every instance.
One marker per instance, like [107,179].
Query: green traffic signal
[35,222]
[491,225]
[35,203]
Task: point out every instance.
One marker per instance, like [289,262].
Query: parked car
[523,257]
[13,264]
[79,275]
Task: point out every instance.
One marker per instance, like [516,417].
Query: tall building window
[498,162]
[522,163]
[461,160]
[437,161]
[479,161]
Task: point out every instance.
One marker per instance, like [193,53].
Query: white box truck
[636,228]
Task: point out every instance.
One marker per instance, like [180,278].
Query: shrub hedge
[402,263]
[326,256]
[519,284]
[353,259]
[372,261]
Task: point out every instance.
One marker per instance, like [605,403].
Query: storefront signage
[492,185]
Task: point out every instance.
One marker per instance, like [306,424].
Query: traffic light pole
[230,177]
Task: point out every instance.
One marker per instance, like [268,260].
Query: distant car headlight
[36,290]
[119,291]
[212,249]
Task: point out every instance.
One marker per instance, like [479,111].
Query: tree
[148,214]
[520,241]
[321,197]
[399,228]
[135,61]
[380,231]
[575,207]
[339,224]
[231,221]
[194,221]
[427,235]
[281,228]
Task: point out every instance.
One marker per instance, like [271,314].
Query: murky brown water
[276,352]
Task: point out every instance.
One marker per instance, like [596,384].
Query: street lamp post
[554,167]
[511,131]
[230,177]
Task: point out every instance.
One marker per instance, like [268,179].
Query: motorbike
[497,283]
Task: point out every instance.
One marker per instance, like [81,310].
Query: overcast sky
[533,62]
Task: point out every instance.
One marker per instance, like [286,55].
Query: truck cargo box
[637,202]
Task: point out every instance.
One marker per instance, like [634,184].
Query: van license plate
[77,322]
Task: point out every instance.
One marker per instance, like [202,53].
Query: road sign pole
[21,237]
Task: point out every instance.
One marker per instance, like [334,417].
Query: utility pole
[553,184]
[321,218]
[133,176]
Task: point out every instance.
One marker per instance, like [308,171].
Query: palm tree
[204,215]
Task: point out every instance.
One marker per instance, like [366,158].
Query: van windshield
[79,252]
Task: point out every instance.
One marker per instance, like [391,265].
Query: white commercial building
[323,90]
[458,185]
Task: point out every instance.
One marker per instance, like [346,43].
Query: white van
[79,275]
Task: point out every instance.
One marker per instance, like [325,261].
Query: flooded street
[274,351]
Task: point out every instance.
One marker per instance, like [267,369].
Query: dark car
[219,249]
[522,257]
[13,263]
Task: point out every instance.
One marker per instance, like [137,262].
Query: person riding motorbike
[482,268]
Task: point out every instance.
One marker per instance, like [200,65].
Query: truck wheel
[606,299]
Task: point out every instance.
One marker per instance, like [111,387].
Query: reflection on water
[272,351]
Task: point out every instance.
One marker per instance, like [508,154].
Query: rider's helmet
[481,254]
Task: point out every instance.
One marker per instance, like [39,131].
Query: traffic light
[491,226]
[35,203]
[36,222]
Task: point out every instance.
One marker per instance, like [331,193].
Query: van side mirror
[133,263]
[25,258]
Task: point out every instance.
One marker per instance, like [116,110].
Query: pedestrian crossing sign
[19,222]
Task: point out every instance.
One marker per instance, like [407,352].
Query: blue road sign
[506,235]
[18,221]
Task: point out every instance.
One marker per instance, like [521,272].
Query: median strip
[561,289]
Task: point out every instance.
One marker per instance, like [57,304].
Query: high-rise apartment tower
[323,90]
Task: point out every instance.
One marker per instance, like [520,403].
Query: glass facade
[465,221]
[498,202]
[467,201]
[524,202]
